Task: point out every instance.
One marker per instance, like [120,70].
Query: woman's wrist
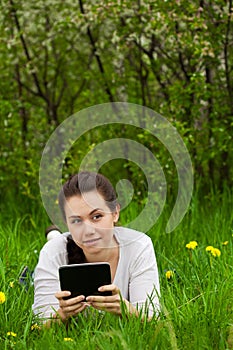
[59,316]
[131,310]
[63,316]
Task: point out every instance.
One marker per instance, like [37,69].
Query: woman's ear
[116,214]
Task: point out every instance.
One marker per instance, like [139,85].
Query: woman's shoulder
[57,244]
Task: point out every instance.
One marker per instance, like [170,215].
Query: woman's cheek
[75,234]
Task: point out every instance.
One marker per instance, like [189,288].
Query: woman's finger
[109,307]
[109,288]
[64,313]
[104,299]
[74,309]
[70,307]
[62,294]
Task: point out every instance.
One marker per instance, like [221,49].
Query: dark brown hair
[77,185]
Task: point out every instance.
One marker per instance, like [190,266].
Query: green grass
[197,302]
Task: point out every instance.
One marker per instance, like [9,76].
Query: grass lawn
[197,299]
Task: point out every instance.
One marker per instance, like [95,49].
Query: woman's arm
[144,287]
[46,279]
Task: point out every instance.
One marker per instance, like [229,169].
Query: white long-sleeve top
[136,275]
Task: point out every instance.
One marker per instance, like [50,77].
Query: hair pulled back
[77,185]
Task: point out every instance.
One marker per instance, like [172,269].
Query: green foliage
[196,301]
[59,57]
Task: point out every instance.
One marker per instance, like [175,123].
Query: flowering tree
[173,56]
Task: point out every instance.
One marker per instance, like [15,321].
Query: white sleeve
[46,281]
[144,288]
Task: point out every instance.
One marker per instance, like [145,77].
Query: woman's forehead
[87,201]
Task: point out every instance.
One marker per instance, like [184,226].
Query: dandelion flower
[225,243]
[216,252]
[68,339]
[169,274]
[35,326]
[2,298]
[12,334]
[191,245]
[209,248]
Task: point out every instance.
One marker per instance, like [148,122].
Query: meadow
[196,285]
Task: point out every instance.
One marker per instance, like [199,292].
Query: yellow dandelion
[209,248]
[11,284]
[68,339]
[216,252]
[225,243]
[169,274]
[191,245]
[11,334]
[35,326]
[2,297]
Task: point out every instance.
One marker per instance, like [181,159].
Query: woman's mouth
[91,241]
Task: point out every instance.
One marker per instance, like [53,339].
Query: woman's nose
[89,228]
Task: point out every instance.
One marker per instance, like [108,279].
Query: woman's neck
[110,255]
[105,255]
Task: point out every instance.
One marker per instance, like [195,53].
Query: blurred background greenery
[58,57]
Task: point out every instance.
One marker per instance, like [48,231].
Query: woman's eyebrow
[93,211]
[96,209]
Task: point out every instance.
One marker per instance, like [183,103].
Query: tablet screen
[85,279]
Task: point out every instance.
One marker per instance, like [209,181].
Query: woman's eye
[97,217]
[76,221]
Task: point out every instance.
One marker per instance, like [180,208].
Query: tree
[173,56]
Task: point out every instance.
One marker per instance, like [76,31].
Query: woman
[90,210]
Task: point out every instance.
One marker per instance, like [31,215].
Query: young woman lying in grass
[90,209]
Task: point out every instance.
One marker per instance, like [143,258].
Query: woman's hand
[111,303]
[69,307]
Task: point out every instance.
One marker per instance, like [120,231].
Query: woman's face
[91,222]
